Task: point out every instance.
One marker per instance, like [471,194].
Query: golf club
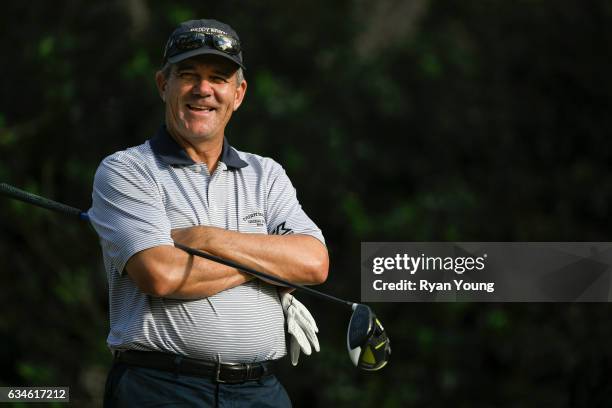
[368,345]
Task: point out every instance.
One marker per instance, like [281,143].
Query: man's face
[201,93]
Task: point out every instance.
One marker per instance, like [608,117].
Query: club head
[368,345]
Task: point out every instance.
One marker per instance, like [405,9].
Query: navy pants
[130,386]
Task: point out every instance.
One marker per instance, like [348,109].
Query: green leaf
[293,160]
[139,65]
[497,319]
[35,373]
[46,46]
[430,65]
[7,137]
[355,212]
[425,337]
[178,14]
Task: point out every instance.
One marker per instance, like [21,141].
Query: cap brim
[205,51]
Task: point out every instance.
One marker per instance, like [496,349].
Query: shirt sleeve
[127,212]
[284,212]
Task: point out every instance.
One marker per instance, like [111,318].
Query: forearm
[297,258]
[166,271]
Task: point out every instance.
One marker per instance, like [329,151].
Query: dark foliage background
[412,120]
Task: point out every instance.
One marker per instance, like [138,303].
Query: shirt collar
[167,149]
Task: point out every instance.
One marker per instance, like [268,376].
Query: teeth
[200,108]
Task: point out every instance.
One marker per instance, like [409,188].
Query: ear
[239,96]
[161,82]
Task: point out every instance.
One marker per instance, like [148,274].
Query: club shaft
[39,201]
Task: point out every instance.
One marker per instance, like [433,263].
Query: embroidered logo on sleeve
[281,230]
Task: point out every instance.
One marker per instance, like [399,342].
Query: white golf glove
[301,326]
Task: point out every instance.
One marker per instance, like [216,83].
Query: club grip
[18,194]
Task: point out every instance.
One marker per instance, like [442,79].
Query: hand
[301,326]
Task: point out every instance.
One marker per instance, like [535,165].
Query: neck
[206,151]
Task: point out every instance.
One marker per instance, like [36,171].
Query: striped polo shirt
[140,194]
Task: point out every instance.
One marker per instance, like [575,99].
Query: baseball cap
[205,36]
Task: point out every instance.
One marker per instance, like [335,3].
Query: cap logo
[208,30]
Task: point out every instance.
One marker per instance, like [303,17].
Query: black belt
[230,373]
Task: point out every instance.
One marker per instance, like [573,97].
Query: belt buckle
[244,378]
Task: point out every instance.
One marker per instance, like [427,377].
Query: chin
[201,136]
[198,134]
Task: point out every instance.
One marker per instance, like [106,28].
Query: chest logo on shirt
[256,218]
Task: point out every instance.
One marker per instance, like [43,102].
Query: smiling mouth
[198,108]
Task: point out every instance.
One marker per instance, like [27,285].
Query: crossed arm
[166,271]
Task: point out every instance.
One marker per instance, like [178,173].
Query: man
[186,331]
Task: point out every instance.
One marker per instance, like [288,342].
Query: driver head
[368,345]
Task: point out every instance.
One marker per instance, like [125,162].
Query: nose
[203,87]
